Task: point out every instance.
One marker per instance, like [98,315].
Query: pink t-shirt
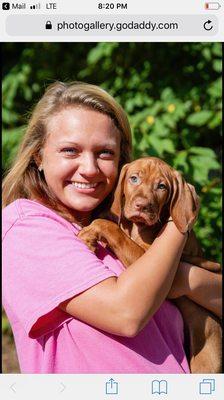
[44,263]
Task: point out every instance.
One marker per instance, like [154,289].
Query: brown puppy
[149,192]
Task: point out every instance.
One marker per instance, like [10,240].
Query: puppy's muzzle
[143,211]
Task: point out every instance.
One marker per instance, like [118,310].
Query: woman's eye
[135,179]
[69,150]
[161,186]
[107,153]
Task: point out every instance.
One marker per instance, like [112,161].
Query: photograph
[111,196]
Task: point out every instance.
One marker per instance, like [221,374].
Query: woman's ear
[38,161]
[184,205]
[117,204]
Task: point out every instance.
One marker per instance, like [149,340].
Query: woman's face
[80,158]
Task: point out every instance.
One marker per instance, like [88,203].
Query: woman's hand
[201,286]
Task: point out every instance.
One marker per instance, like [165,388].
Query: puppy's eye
[135,180]
[161,186]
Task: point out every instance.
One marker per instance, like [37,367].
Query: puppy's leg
[202,262]
[203,342]
[126,250]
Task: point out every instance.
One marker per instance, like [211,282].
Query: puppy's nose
[143,205]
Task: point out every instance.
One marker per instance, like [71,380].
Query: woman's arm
[125,304]
[201,286]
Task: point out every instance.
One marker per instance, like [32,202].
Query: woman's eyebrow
[68,142]
[107,144]
[100,145]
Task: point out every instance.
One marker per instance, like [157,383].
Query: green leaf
[199,118]
[203,151]
[215,89]
[217,65]
[168,146]
[169,120]
[180,161]
[9,117]
[217,49]
[161,145]
[216,120]
[202,165]
[167,94]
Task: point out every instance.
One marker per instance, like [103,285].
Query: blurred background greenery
[171,92]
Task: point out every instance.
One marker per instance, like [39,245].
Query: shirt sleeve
[45,265]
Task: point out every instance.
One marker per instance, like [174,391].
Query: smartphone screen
[111,159]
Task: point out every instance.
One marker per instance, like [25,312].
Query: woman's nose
[88,165]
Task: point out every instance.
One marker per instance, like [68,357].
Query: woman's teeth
[84,185]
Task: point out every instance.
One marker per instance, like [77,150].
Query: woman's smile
[85,187]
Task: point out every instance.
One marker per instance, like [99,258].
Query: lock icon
[48,25]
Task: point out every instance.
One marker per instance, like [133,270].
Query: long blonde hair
[24,180]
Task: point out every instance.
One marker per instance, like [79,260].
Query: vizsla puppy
[148,194]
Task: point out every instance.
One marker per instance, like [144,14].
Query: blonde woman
[70,310]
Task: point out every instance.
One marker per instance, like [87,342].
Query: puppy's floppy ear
[184,204]
[116,207]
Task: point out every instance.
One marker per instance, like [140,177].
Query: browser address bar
[111,25]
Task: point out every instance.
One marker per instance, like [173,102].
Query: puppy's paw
[89,237]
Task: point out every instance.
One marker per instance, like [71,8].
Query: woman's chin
[83,206]
[82,201]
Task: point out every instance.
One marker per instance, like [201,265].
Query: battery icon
[212,6]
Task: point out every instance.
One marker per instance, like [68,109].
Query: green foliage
[10,142]
[171,92]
